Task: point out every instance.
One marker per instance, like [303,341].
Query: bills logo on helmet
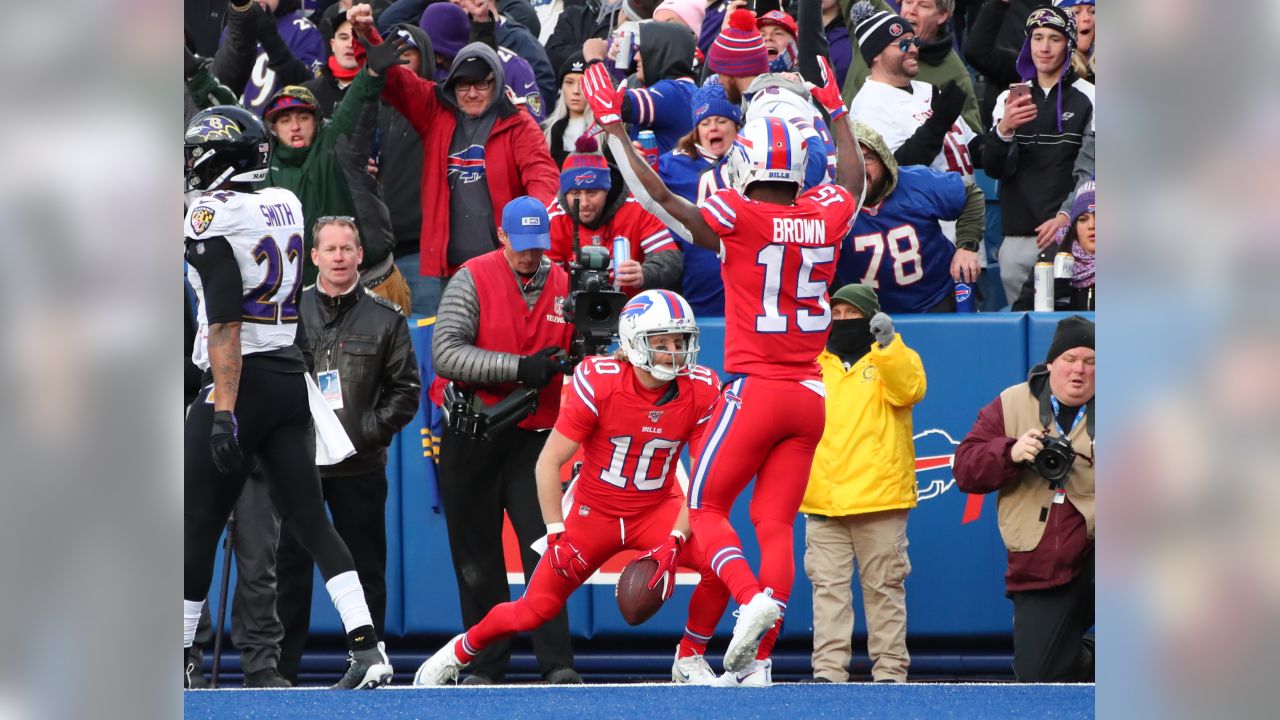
[201,219]
[214,128]
[636,307]
[467,165]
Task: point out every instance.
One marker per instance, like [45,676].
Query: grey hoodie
[472,229]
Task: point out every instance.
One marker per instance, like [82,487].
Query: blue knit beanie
[710,100]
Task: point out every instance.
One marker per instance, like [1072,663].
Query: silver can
[621,254]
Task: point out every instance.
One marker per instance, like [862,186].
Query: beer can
[1064,266]
[649,142]
[1043,286]
[964,298]
[621,254]
[624,41]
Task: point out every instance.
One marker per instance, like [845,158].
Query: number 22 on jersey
[275,299]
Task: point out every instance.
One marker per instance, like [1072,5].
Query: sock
[692,644]
[724,553]
[464,651]
[362,638]
[348,597]
[190,619]
[771,637]
[706,607]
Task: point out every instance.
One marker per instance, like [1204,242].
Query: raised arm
[605,102]
[851,174]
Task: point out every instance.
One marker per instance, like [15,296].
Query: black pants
[358,504]
[275,428]
[255,628]
[478,480]
[1049,626]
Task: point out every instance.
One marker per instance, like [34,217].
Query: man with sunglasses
[919,123]
[367,371]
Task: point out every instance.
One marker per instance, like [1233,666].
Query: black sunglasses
[906,43]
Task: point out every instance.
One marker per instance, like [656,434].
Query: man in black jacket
[367,370]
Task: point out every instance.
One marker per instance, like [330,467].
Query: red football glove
[666,554]
[565,558]
[829,94]
[605,100]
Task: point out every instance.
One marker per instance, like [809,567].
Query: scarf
[1083,275]
[850,339]
[342,74]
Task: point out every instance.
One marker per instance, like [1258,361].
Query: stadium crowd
[436,147]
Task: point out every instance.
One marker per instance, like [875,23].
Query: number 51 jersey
[264,230]
[779,261]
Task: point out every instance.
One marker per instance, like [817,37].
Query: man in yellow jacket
[861,488]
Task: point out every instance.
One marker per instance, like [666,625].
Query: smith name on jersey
[632,436]
[264,230]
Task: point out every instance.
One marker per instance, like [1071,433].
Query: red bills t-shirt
[778,263]
[646,233]
[632,436]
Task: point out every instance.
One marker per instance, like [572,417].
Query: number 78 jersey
[264,230]
[779,261]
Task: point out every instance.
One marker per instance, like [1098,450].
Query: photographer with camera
[500,338]
[1034,444]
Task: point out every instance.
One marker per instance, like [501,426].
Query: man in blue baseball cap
[501,330]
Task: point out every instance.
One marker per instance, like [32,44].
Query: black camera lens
[600,311]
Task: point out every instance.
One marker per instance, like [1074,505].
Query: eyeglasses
[906,43]
[466,86]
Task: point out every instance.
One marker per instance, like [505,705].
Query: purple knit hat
[1054,19]
[739,51]
[448,27]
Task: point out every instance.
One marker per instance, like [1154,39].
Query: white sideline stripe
[684,577]
[877,687]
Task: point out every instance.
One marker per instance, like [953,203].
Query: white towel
[332,444]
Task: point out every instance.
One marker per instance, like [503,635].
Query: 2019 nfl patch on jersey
[201,219]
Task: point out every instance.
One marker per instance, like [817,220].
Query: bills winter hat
[585,168]
[739,49]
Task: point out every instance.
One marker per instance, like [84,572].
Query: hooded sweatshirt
[776,95]
[908,208]
[473,231]
[663,104]
[400,157]
[512,158]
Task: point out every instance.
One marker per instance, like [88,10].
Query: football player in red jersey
[631,413]
[779,249]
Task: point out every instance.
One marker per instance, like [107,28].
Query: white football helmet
[658,312]
[767,149]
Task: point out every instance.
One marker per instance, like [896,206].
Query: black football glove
[391,52]
[948,102]
[225,443]
[536,370]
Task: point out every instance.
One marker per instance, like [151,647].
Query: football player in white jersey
[245,253]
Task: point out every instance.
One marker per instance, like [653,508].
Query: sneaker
[758,674]
[754,620]
[366,669]
[692,670]
[267,678]
[564,676]
[192,675]
[479,679]
[441,668]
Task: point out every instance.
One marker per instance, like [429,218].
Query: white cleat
[758,674]
[692,670]
[441,668]
[754,620]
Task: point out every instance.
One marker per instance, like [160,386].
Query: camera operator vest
[1026,503]
[508,325]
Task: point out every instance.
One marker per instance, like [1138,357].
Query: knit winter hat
[710,101]
[739,49]
[862,297]
[291,97]
[1084,202]
[692,12]
[876,29]
[1073,332]
[448,26]
[575,63]
[585,168]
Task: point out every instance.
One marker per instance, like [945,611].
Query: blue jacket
[694,178]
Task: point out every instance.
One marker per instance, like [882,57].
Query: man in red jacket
[479,151]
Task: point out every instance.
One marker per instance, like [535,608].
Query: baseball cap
[526,224]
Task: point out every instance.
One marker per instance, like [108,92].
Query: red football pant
[599,536]
[768,429]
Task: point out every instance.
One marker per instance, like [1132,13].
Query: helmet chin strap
[662,372]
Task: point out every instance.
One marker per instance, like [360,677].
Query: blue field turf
[655,702]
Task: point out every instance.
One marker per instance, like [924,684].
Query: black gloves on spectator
[190,63]
[536,370]
[948,102]
[391,52]
[225,443]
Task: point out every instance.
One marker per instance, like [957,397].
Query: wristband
[553,528]
[679,535]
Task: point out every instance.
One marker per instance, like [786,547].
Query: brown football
[636,601]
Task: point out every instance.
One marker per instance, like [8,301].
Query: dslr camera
[592,306]
[1054,461]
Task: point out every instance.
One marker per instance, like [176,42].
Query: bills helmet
[652,313]
[224,144]
[767,149]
